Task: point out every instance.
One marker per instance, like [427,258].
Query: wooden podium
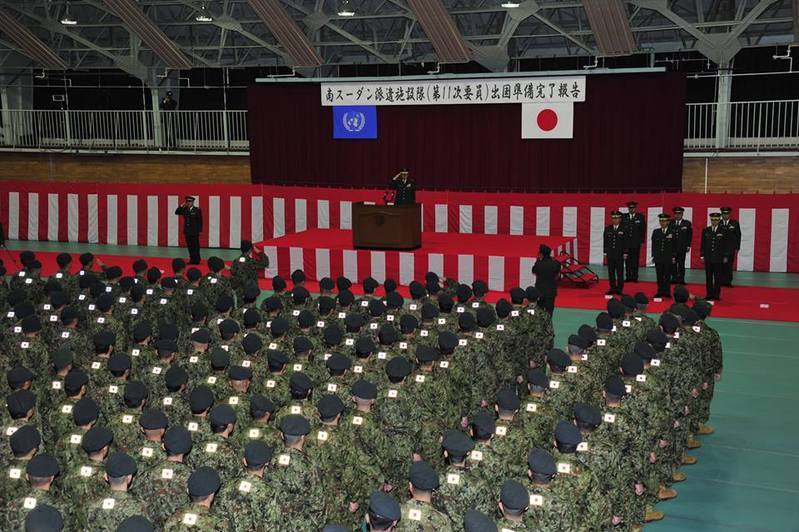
[386,226]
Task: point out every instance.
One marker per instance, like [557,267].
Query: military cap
[334,527]
[338,362]
[302,344]
[383,505]
[429,311]
[272,303]
[203,482]
[23,310]
[63,260]
[193,274]
[177,440]
[669,322]
[345,298]
[657,339]
[137,292]
[677,209]
[517,295]
[326,283]
[463,292]
[75,380]
[326,304]
[483,425]
[279,326]
[135,393]
[532,294]
[97,289]
[447,341]
[364,346]
[578,341]
[103,340]
[223,303]
[691,317]
[228,328]
[644,350]
[726,210]
[364,389]
[398,368]
[278,283]
[58,299]
[200,399]
[139,265]
[387,334]
[257,453]
[119,465]
[276,359]
[220,359]
[201,336]
[118,363]
[681,294]
[537,378]
[305,318]
[186,198]
[541,462]
[631,364]
[445,302]
[343,283]
[715,215]
[239,373]
[587,414]
[425,353]
[629,302]
[615,214]
[153,419]
[354,321]
[222,415]
[24,440]
[417,290]
[431,277]
[369,285]
[142,330]
[44,518]
[85,411]
[664,216]
[42,465]
[567,433]
[300,294]
[153,275]
[558,358]
[215,264]
[166,346]
[514,496]
[113,272]
[18,375]
[432,287]
[87,280]
[604,322]
[329,406]
[297,276]
[68,315]
[175,377]
[503,308]
[31,324]
[294,425]
[20,402]
[300,382]
[507,399]
[169,283]
[260,405]
[457,443]
[135,523]
[96,438]
[466,322]
[479,288]
[423,476]
[168,331]
[408,323]
[614,385]
[86,258]
[389,285]
[588,333]
[251,343]
[702,308]
[394,300]
[376,307]
[63,358]
[485,316]
[615,309]
[475,521]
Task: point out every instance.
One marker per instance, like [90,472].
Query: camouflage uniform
[163,486]
[111,508]
[194,517]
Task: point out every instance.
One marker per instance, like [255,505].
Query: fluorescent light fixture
[510,5]
[67,20]
[204,15]
[345,10]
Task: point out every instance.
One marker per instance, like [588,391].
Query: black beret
[23,309]
[629,301]
[96,438]
[85,411]
[221,415]
[537,377]
[517,295]
[463,292]
[275,358]
[103,340]
[644,350]
[104,302]
[657,338]
[278,283]
[300,294]
[334,527]
[300,382]
[384,505]
[252,343]
[483,425]
[376,307]
[168,331]
[669,322]
[364,389]
[223,303]
[615,309]
[691,317]
[369,285]
[201,399]
[279,326]
[201,336]
[228,328]
[364,345]
[631,364]
[69,314]
[86,258]
[641,299]
[261,405]
[614,385]
[604,322]
[305,318]
[193,274]
[474,521]
[142,330]
[326,304]
[18,375]
[272,303]
[485,316]
[295,425]
[257,453]
[532,294]
[702,308]
[467,322]
[429,311]
[135,523]
[425,353]
[135,393]
[44,518]
[417,290]
[558,358]
[58,299]
[239,373]
[153,275]
[152,419]
[199,311]
[220,359]
[387,334]
[166,346]
[457,443]
[354,321]
[119,465]
[408,323]
[24,440]
[541,462]
[394,300]
[587,332]
[119,362]
[139,265]
[42,465]
[297,276]
[345,298]
[75,379]
[302,344]
[177,440]
[503,308]
[338,362]
[245,246]
[326,283]
[203,481]
[251,292]
[215,264]
[578,341]
[514,496]
[423,476]
[329,406]
[389,285]
[342,283]
[480,288]
[447,341]
[31,324]
[567,433]
[398,367]
[587,414]
[507,399]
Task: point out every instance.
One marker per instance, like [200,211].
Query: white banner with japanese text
[456,91]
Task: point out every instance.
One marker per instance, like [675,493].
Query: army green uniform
[110,509]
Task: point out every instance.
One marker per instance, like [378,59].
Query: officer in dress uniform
[683,233]
[405,189]
[715,252]
[635,227]
[664,243]
[192,227]
[733,230]
[615,249]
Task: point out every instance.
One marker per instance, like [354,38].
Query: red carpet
[742,302]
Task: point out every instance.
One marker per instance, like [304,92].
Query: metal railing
[758,125]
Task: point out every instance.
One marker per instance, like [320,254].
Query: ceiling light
[510,5]
[345,10]
[67,20]
[204,15]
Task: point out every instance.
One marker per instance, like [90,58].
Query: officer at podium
[404,187]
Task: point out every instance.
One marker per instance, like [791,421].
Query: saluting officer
[192,227]
[733,230]
[715,252]
[683,233]
[635,227]
[664,241]
[615,249]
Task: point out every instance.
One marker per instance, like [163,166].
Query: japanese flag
[547,120]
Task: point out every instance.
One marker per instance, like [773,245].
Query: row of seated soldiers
[143,402]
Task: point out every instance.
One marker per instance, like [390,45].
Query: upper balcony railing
[747,126]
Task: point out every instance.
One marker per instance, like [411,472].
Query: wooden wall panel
[741,174]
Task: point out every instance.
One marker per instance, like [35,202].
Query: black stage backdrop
[628,136]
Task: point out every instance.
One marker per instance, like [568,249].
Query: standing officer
[635,227]
[683,233]
[715,252]
[546,270]
[664,243]
[733,230]
[615,249]
[192,227]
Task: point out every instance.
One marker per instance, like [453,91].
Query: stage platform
[503,261]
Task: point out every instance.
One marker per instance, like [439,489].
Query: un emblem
[354,122]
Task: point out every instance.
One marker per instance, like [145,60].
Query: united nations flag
[355,122]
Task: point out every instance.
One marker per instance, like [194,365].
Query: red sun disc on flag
[547,119]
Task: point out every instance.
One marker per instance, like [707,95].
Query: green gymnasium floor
[747,477]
